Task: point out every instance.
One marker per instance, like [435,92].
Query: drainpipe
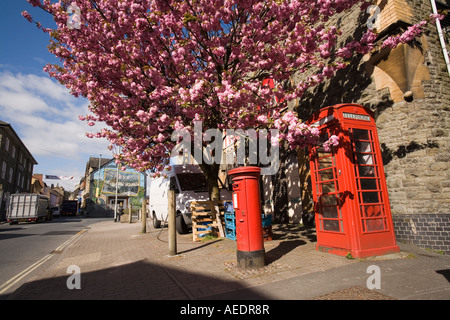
[441,36]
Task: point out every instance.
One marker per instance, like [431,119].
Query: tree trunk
[279,193]
[211,172]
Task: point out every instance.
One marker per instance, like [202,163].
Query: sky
[41,111]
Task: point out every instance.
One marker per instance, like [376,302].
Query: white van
[189,184]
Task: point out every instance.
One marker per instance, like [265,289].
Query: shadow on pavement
[283,248]
[140,280]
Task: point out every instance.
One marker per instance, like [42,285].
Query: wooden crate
[205,220]
[267,233]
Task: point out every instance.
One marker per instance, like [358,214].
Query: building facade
[407,88]
[16,164]
[109,184]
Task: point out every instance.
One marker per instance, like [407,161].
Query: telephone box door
[375,220]
[329,197]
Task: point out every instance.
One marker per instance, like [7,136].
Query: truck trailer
[28,207]
[69,207]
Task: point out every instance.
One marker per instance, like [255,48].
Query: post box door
[330,222]
[240,215]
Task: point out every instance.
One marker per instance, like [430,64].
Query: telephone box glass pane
[375,224]
[370,197]
[369,184]
[328,187]
[325,162]
[363,146]
[328,200]
[326,175]
[366,171]
[331,225]
[361,134]
[330,212]
[364,159]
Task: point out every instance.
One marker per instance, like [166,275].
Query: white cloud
[45,116]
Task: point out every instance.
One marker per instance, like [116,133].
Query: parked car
[56,212]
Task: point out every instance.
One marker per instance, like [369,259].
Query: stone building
[16,165]
[408,88]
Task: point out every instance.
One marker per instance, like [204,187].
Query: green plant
[349,256]
[209,237]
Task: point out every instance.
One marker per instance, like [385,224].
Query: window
[10,176]
[7,144]
[3,170]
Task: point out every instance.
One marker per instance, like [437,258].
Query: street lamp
[117,186]
[97,192]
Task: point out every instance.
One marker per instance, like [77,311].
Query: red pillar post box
[247,207]
[351,202]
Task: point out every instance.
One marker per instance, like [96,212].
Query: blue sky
[41,111]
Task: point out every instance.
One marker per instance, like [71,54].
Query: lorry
[189,184]
[69,207]
[28,207]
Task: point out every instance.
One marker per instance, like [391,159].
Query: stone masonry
[408,90]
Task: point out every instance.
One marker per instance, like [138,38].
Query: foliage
[149,67]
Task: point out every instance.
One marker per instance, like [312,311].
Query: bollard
[172,224]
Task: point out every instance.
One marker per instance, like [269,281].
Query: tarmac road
[117,262]
[26,245]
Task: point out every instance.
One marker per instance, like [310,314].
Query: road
[24,246]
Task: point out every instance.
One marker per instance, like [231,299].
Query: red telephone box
[351,203]
[247,207]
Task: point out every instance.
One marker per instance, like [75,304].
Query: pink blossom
[151,67]
[332,141]
[262,119]
[27,16]
[35,3]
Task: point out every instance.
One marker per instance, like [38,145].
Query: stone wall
[408,89]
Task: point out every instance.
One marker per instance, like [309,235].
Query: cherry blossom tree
[149,67]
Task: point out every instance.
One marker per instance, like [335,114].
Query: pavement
[115,261]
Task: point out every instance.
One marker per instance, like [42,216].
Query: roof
[93,163]
[9,128]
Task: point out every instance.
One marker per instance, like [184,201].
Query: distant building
[16,165]
[100,189]
[37,184]
[85,185]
